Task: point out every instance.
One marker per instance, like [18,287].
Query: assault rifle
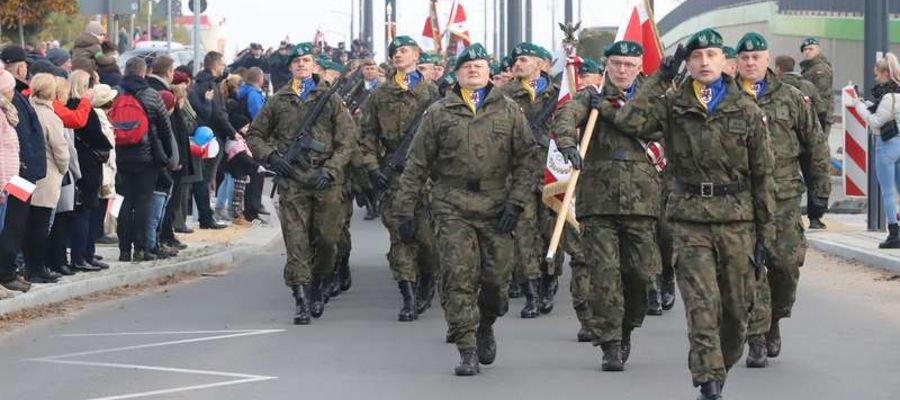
[541,118]
[397,160]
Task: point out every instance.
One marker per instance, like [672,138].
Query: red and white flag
[557,170]
[432,28]
[456,29]
[19,188]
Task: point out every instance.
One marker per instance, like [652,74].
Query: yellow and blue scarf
[711,95]
[303,87]
[535,87]
[473,98]
[407,81]
[754,89]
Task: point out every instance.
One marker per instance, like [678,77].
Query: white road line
[241,378]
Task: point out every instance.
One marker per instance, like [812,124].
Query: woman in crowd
[57,260]
[229,89]
[194,172]
[9,146]
[102,224]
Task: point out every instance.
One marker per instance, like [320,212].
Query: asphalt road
[230,337]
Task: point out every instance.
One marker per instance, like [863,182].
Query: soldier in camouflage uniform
[730,61]
[532,90]
[618,204]
[793,130]
[392,107]
[476,147]
[311,200]
[817,69]
[721,201]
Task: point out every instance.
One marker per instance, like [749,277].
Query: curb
[870,258]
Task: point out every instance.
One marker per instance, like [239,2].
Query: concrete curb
[870,258]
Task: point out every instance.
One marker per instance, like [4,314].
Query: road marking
[219,335]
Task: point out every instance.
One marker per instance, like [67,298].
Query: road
[230,337]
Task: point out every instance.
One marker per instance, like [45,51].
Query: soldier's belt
[709,189]
[472,185]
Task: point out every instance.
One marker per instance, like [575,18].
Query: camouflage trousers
[345,241]
[777,291]
[408,261]
[580,285]
[476,262]
[717,283]
[624,255]
[664,239]
[311,223]
[529,241]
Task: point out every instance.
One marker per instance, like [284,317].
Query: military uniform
[480,166]
[721,205]
[311,218]
[391,108]
[818,71]
[618,204]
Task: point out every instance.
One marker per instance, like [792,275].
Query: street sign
[202,6]
[102,6]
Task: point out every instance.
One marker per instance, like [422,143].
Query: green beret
[752,41]
[300,50]
[399,42]
[327,64]
[589,66]
[530,49]
[624,48]
[474,52]
[506,63]
[704,39]
[808,41]
[429,58]
[495,69]
[730,53]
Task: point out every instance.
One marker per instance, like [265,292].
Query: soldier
[439,67]
[721,203]
[425,65]
[392,108]
[357,102]
[533,90]
[618,205]
[590,73]
[817,69]
[475,146]
[310,202]
[730,61]
[793,130]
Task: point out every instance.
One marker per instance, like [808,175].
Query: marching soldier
[793,130]
[721,205]
[590,73]
[392,108]
[476,148]
[618,205]
[533,90]
[311,199]
[730,61]
[817,69]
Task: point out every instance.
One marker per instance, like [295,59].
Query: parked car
[182,54]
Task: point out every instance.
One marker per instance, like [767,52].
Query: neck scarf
[371,84]
[879,90]
[535,87]
[473,98]
[303,87]
[710,96]
[630,91]
[755,89]
[407,81]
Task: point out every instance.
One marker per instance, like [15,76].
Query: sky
[269,21]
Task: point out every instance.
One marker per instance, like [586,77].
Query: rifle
[397,159]
[542,117]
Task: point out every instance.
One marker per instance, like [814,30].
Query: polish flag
[456,28]
[638,26]
[557,169]
[432,28]
[19,188]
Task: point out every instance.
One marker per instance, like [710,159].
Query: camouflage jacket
[617,178]
[389,112]
[794,130]
[276,124]
[730,146]
[514,90]
[476,162]
[808,89]
[819,72]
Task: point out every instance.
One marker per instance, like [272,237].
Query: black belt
[709,189]
[473,185]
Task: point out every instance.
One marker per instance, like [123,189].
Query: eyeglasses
[623,64]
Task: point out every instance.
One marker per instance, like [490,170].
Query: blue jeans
[157,208]
[887,169]
[3,210]
[224,192]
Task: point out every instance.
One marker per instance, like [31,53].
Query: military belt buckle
[473,185]
[706,189]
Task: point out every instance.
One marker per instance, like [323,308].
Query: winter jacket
[67,193]
[151,149]
[252,97]
[110,75]
[56,154]
[87,54]
[32,153]
[210,113]
[194,168]
[888,111]
[74,115]
[9,142]
[179,139]
[108,185]
[93,150]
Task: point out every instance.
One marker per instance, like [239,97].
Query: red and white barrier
[856,147]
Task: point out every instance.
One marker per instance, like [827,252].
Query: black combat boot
[316,300]
[893,239]
[756,356]
[468,363]
[668,294]
[515,291]
[334,286]
[326,289]
[584,335]
[344,273]
[710,391]
[654,301]
[612,356]
[549,286]
[626,345]
[425,293]
[408,291]
[816,223]
[529,289]
[487,345]
[301,304]
[773,340]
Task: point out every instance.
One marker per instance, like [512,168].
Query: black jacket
[32,154]
[93,150]
[210,113]
[179,129]
[151,150]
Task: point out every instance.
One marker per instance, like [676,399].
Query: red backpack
[129,120]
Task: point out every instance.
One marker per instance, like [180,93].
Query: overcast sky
[268,21]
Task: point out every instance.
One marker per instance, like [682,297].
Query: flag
[19,188]
[638,26]
[557,169]
[115,206]
[456,29]
[319,40]
[432,29]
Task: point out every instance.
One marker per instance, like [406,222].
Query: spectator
[278,66]
[240,164]
[87,54]
[139,164]
[110,74]
[229,89]
[9,147]
[46,195]
[193,170]
[251,96]
[253,57]
[101,222]
[58,241]
[33,167]
[61,59]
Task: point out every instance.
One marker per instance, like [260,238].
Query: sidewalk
[207,250]
[847,237]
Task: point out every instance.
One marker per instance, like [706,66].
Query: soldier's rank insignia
[705,95]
